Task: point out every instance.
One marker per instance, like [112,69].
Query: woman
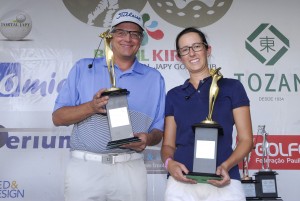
[188,104]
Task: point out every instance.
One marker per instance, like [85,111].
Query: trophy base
[118,143]
[249,186]
[115,92]
[267,185]
[202,177]
[246,178]
[212,124]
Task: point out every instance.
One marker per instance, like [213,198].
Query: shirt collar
[134,68]
[187,83]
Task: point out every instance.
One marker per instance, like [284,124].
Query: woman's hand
[177,171]
[225,178]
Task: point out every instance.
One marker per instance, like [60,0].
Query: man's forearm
[66,116]
[154,137]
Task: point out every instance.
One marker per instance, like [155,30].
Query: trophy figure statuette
[213,93]
[117,106]
[109,56]
[206,138]
[266,151]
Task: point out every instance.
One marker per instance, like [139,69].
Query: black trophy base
[202,177]
[119,143]
[264,199]
[115,92]
[205,152]
[266,184]
[209,125]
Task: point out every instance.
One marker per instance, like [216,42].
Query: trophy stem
[246,169]
[112,75]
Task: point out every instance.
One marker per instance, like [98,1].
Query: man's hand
[147,139]
[138,146]
[98,103]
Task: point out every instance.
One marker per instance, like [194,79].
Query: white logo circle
[15,25]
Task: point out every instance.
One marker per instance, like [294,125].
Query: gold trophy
[206,138]
[117,106]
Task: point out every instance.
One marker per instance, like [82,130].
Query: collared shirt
[190,106]
[146,100]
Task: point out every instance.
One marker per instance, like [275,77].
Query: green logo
[267,44]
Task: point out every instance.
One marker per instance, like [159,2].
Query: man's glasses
[122,33]
[196,48]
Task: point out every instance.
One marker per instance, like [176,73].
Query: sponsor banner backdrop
[253,41]
[284,152]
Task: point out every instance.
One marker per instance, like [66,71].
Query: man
[80,102]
